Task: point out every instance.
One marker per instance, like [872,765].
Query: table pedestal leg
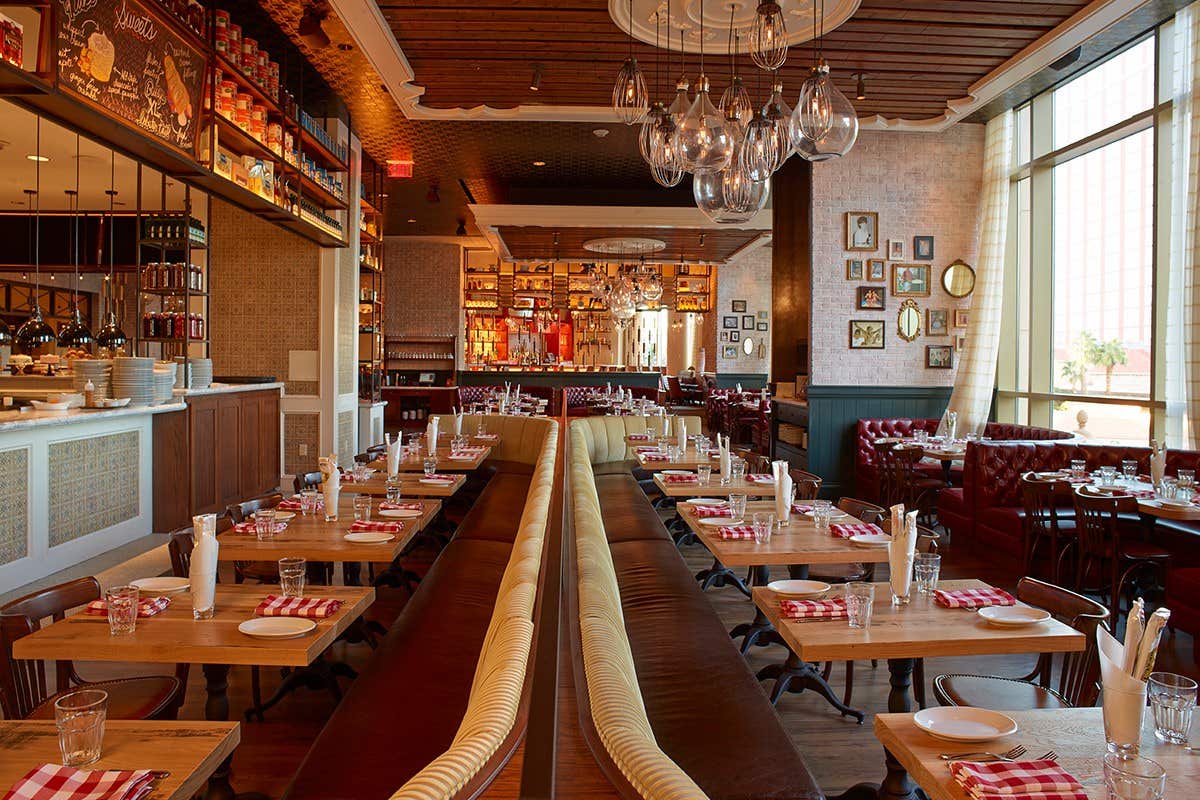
[795,675]
[760,631]
[216,709]
[897,785]
[720,575]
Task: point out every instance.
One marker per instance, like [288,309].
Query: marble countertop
[221,388]
[21,420]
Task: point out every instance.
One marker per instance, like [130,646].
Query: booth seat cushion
[604,437]
[496,514]
[520,437]
[627,515]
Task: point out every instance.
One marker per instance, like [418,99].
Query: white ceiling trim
[374,37]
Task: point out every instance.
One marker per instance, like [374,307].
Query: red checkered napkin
[147,606]
[469,451]
[857,529]
[54,782]
[755,478]
[973,598]
[735,532]
[248,527]
[307,607]
[639,437]
[801,508]
[814,609]
[291,504]
[384,505]
[370,526]
[704,512]
[680,478]
[1044,780]
[437,477]
[655,457]
[646,449]
[487,437]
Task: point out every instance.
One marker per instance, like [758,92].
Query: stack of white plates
[96,370]
[134,378]
[201,370]
[164,380]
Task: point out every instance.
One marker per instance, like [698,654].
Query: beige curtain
[976,376]
[1183,304]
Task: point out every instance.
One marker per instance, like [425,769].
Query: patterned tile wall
[422,288]
[347,329]
[301,429]
[747,278]
[94,484]
[265,295]
[14,522]
[345,437]
[922,184]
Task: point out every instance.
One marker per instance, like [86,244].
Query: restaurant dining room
[599,399]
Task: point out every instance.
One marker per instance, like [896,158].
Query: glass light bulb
[646,137]
[760,150]
[779,113]
[729,196]
[704,140]
[838,138]
[735,103]
[629,99]
[768,37]
[653,289]
[815,105]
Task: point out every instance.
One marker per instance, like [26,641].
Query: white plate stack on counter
[164,381]
[134,378]
[197,373]
[96,370]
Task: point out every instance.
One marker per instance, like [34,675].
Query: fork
[1011,755]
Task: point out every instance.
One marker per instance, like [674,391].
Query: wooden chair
[901,482]
[261,571]
[1078,678]
[24,691]
[808,485]
[306,480]
[1047,520]
[364,458]
[1106,546]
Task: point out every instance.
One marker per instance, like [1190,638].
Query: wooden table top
[798,543]
[190,751]
[445,462]
[172,636]
[922,629]
[689,460]
[317,540]
[1150,506]
[1075,734]
[934,450]
[714,487]
[411,486]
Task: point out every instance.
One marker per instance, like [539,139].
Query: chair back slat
[180,547]
[808,485]
[866,511]
[238,512]
[1079,676]
[1042,501]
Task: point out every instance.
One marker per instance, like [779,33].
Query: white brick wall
[745,278]
[922,184]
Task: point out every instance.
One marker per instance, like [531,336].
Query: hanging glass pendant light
[729,196]
[110,337]
[75,334]
[779,114]
[630,101]
[34,332]
[768,37]
[760,150]
[824,124]
[704,139]
[646,141]
[667,168]
[735,100]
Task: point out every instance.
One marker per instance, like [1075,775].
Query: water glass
[860,600]
[1134,778]
[394,488]
[921,436]
[674,454]
[764,525]
[264,524]
[361,472]
[481,428]
[926,569]
[1186,478]
[414,445]
[429,465]
[737,505]
[362,507]
[1078,468]
[122,609]
[80,717]
[291,576]
[309,502]
[737,470]
[1108,475]
[1172,699]
[821,511]
[703,474]
[1129,470]
[1167,489]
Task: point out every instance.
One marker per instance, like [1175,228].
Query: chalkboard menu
[126,60]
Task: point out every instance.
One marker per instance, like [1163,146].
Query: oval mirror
[748,345]
[908,322]
[958,279]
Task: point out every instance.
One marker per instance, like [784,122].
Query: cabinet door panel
[228,451]
[206,497]
[268,440]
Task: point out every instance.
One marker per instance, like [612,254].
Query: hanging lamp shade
[735,103]
[760,150]
[647,143]
[630,100]
[824,124]
[110,336]
[35,331]
[768,37]
[75,333]
[704,139]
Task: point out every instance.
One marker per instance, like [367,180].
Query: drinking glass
[821,512]
[291,576]
[414,445]
[860,599]
[764,524]
[1129,470]
[737,505]
[122,609]
[80,717]
[429,465]
[264,524]
[1167,489]
[1078,468]
[703,474]
[674,454]
[481,428]
[926,568]
[737,470]
[1172,699]
[394,490]
[362,507]
[308,503]
[921,435]
[361,472]
[1108,476]
[1186,478]
[1134,778]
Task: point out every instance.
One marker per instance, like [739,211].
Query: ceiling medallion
[625,245]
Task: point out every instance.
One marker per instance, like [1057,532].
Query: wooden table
[714,487]
[173,637]
[689,460]
[1075,734]
[411,486]
[444,462]
[190,751]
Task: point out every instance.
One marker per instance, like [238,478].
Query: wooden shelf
[246,85]
[241,142]
[368,238]
[311,190]
[317,151]
[16,81]
[172,339]
[174,292]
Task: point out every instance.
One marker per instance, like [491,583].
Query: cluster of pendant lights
[623,294]
[732,149]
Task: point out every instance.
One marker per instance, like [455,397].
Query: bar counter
[557,376]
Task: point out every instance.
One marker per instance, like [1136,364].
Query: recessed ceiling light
[35,157]
[539,163]
[412,220]
[600,133]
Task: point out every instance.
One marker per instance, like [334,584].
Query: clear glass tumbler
[860,600]
[764,526]
[291,576]
[1186,478]
[926,569]
[309,502]
[1172,700]
[703,474]
[122,609]
[737,470]
[430,466]
[1078,468]
[1134,778]
[737,506]
[264,524]
[362,507]
[1129,468]
[821,511]
[80,717]
[394,490]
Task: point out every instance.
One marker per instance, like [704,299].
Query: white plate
[717,522]
[284,516]
[709,501]
[833,515]
[369,537]
[153,587]
[677,472]
[400,513]
[964,724]
[435,481]
[277,627]
[1013,616]
[871,540]
[461,458]
[798,589]
[1173,503]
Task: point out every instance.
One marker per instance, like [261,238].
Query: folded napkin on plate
[857,529]
[1044,780]
[704,512]
[487,437]
[437,477]
[680,478]
[973,598]
[249,527]
[735,532]
[647,449]
[291,504]
[639,437]
[760,478]
[370,526]
[307,607]
[147,607]
[653,456]
[814,609]
[801,508]
[54,782]
[384,505]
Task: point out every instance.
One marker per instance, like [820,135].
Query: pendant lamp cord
[701,37]
[37,235]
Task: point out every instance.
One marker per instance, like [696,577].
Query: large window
[1082,265]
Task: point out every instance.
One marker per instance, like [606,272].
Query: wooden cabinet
[234,443]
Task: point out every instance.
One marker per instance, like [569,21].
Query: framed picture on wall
[960,343]
[895,249]
[869,298]
[762,326]
[862,230]
[735,336]
[748,322]
[729,323]
[961,317]
[936,322]
[854,269]
[923,248]
[739,306]
[910,280]
[866,334]
[876,270]
[729,351]
[724,336]
[939,356]
[763,315]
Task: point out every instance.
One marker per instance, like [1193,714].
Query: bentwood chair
[24,690]
[901,482]
[1078,678]
[1048,518]
[261,571]
[808,485]
[306,480]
